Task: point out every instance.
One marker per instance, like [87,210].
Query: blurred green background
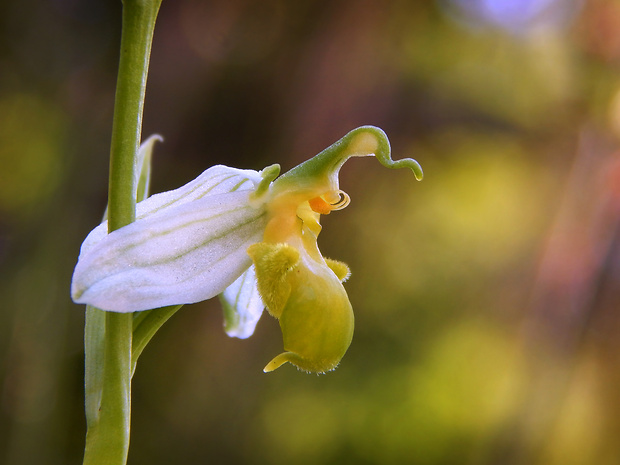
[486,296]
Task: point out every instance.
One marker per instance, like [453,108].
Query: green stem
[108,338]
[107,438]
[138,24]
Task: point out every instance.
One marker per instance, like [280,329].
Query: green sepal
[323,168]
[145,325]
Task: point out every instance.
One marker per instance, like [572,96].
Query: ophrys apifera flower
[248,236]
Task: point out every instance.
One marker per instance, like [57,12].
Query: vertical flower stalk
[108,336]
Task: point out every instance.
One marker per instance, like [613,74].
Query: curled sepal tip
[360,142]
[368,140]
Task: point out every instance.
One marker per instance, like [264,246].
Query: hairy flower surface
[247,236]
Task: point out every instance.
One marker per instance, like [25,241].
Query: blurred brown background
[486,296]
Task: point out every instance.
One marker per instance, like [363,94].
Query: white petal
[242,305]
[216,180]
[184,253]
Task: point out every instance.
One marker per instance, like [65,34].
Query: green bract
[247,236]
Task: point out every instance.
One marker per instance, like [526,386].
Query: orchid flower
[249,237]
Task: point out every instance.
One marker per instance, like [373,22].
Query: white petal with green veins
[218,179]
[186,245]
